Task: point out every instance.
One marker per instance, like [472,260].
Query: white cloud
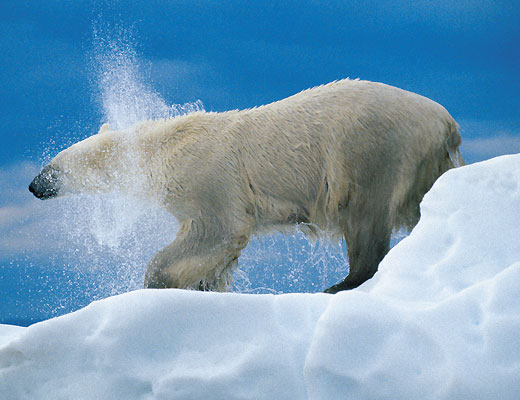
[480,149]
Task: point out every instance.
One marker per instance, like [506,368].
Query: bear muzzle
[46,185]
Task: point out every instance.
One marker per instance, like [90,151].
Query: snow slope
[440,320]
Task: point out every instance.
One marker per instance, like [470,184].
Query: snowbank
[440,320]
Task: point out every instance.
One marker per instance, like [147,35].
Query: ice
[7,332]
[163,354]
[440,320]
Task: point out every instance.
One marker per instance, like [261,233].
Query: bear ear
[105,127]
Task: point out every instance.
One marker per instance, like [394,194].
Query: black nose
[46,184]
[32,189]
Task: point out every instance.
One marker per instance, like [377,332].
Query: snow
[440,320]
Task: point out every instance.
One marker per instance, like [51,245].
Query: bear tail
[453,144]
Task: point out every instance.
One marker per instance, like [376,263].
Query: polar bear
[351,158]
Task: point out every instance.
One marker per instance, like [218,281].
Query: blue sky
[232,54]
[236,54]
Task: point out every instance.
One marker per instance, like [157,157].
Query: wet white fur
[352,158]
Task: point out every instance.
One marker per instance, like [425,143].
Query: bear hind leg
[366,248]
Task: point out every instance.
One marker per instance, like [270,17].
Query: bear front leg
[201,258]
[366,248]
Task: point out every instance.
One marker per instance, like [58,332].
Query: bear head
[87,167]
